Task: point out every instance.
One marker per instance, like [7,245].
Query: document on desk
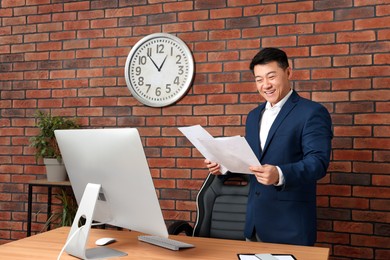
[232,153]
[265,257]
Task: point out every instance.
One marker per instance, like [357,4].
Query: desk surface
[48,245]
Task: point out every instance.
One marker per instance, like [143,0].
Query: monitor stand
[78,236]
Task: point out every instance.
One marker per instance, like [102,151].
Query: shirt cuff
[281,177]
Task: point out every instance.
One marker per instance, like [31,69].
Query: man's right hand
[214,168]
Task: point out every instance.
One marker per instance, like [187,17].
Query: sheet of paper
[258,256]
[196,132]
[232,153]
[247,257]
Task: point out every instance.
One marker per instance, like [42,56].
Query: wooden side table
[42,183]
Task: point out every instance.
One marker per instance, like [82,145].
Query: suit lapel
[287,107]
[257,148]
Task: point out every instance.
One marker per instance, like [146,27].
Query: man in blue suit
[291,136]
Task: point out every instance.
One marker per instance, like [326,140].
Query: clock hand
[153,62]
[159,69]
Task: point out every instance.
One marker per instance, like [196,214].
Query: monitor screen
[115,160]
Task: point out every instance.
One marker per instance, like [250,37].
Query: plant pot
[55,170]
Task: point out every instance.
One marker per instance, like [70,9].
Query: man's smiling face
[272,82]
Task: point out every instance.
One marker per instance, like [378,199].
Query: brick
[353,60]
[226,13]
[383,35]
[371,142]
[382,95]
[371,71]
[295,29]
[280,41]
[204,4]
[381,180]
[95,14]
[361,155]
[257,10]
[381,131]
[161,18]
[330,96]
[326,27]
[193,16]
[366,167]
[363,36]
[316,39]
[352,131]
[371,23]
[148,9]
[369,241]
[308,17]
[335,49]
[105,23]
[369,47]
[381,156]
[277,19]
[339,167]
[239,44]
[381,58]
[329,4]
[352,203]
[372,119]
[335,190]
[64,16]
[332,237]
[103,4]
[353,227]
[355,107]
[354,252]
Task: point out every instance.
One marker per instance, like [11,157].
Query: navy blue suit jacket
[299,142]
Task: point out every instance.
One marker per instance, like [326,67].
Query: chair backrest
[221,206]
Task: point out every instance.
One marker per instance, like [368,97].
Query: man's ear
[289,72]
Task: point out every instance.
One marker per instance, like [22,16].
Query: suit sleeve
[316,148]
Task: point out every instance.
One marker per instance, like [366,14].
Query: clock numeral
[148,86]
[142,60]
[171,51]
[149,51]
[160,48]
[177,81]
[141,81]
[168,88]
[178,59]
[138,71]
[181,71]
[158,91]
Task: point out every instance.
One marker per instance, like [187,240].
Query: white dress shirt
[269,115]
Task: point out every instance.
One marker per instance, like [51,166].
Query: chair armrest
[180,226]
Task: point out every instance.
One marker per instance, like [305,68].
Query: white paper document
[232,153]
[265,257]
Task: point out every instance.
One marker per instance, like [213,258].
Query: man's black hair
[268,55]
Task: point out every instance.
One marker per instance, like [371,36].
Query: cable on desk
[72,236]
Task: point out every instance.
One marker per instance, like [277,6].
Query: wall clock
[159,69]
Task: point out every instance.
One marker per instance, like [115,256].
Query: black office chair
[221,208]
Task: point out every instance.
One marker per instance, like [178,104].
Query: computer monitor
[111,181]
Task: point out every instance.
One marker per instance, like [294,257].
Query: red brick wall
[68,57]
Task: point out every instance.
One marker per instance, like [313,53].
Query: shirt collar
[280,104]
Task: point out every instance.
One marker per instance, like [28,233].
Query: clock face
[159,69]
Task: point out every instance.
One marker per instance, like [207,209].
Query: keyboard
[164,242]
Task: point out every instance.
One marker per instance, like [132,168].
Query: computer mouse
[105,241]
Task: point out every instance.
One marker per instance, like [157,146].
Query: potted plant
[46,146]
[66,215]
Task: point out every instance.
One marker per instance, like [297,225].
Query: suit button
[257,193]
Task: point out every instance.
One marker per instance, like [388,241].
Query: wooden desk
[48,245]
